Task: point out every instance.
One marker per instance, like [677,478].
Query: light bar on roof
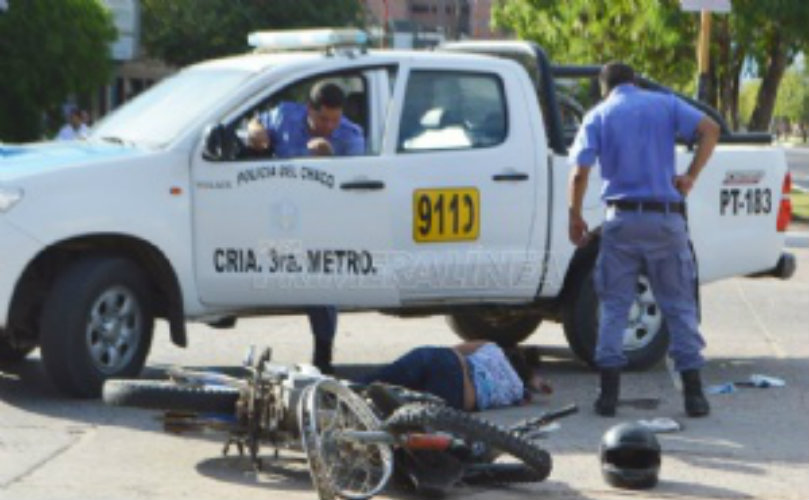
[306,39]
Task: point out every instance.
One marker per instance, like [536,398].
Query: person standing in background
[74,128]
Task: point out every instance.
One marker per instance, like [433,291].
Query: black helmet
[630,456]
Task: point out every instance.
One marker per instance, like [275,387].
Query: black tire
[473,430]
[580,323]
[499,473]
[78,356]
[10,354]
[504,326]
[170,396]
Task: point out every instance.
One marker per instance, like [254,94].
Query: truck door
[272,231]
[466,182]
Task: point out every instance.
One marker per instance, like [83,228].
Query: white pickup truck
[458,207]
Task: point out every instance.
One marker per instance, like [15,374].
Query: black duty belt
[648,206]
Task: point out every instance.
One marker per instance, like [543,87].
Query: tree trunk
[765,101]
[739,55]
[725,70]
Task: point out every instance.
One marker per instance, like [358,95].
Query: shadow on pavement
[684,489]
[286,473]
[290,473]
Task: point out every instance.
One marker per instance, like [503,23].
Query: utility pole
[385,20]
[705,9]
[704,56]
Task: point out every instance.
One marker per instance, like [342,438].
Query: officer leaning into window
[317,128]
[632,134]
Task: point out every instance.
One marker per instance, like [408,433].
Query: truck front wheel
[96,324]
[10,353]
[502,325]
[646,337]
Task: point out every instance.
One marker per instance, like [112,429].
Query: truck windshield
[162,113]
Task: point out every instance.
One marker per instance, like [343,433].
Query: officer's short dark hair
[616,73]
[326,94]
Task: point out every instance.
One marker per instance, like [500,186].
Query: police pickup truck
[458,207]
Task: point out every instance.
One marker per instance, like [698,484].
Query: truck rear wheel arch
[580,316]
[503,325]
[38,278]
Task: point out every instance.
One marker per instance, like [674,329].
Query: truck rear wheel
[646,339]
[502,325]
[96,325]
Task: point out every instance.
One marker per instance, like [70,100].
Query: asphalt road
[754,445]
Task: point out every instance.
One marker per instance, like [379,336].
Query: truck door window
[286,112]
[450,110]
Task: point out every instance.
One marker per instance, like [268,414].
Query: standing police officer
[632,134]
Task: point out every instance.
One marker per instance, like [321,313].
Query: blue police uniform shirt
[632,134]
[289,132]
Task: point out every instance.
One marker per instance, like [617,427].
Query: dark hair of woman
[516,357]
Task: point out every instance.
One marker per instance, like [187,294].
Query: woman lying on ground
[470,376]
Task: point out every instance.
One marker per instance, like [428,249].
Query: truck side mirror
[221,144]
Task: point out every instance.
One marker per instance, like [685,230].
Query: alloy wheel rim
[114,329]
[645,318]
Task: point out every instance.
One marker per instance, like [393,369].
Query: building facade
[444,19]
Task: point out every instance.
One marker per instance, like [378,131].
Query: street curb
[797,239]
[788,145]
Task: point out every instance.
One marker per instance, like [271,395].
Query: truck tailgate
[733,210]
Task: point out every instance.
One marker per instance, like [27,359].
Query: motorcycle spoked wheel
[535,462]
[342,467]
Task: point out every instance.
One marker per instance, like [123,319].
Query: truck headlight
[9,197]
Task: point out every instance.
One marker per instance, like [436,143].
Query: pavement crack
[75,437]
[768,335]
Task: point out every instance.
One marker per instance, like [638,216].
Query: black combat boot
[608,394]
[695,403]
[321,358]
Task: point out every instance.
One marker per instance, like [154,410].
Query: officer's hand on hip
[684,184]
[578,230]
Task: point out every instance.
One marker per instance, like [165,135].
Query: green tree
[186,31]
[659,40]
[655,36]
[772,33]
[793,99]
[747,99]
[49,49]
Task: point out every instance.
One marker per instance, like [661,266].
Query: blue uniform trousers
[436,370]
[323,322]
[655,244]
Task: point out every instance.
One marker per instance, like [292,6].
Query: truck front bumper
[16,251]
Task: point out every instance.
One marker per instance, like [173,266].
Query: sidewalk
[798,233]
[797,239]
[792,144]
